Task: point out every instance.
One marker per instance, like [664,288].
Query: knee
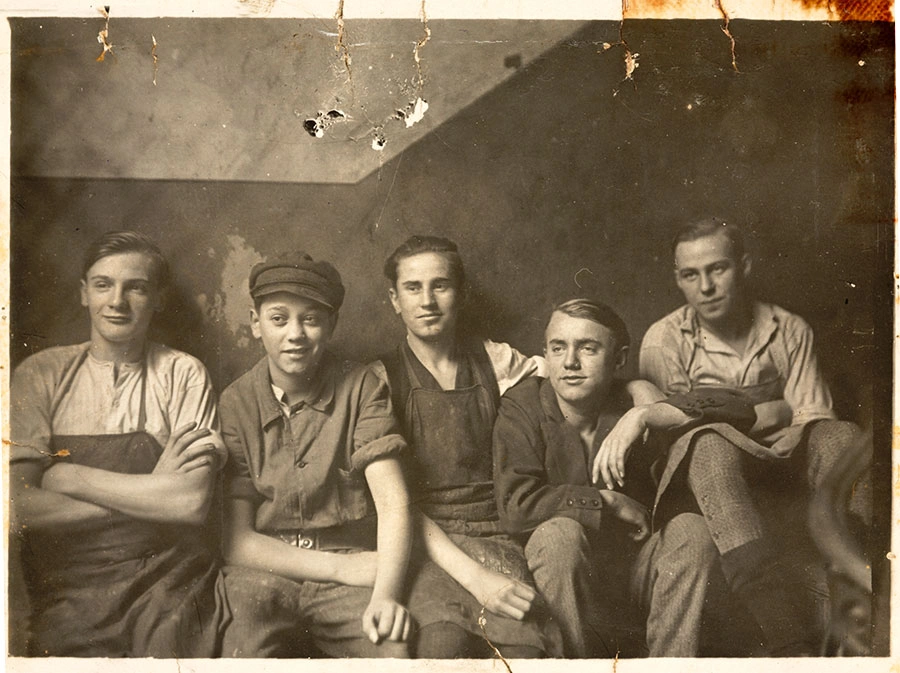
[830,434]
[712,454]
[828,442]
[560,543]
[252,594]
[687,536]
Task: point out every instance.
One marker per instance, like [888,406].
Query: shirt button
[306,543]
[570,502]
[583,501]
[595,503]
[301,464]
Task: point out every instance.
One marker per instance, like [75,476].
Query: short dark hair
[598,312]
[415,245]
[119,242]
[711,226]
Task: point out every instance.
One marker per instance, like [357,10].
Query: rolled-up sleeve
[511,366]
[525,497]
[805,389]
[377,433]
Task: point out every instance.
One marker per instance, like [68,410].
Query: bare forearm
[40,510]
[165,497]
[259,551]
[389,494]
[444,552]
[394,542]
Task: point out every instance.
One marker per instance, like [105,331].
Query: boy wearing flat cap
[313,486]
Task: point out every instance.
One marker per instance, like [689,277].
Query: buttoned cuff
[584,505]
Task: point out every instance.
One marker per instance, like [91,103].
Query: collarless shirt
[66,391]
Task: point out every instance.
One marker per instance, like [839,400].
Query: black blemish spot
[513,61]
[335,114]
[311,126]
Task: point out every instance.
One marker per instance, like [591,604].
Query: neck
[296,388]
[432,352]
[117,353]
[583,416]
[735,329]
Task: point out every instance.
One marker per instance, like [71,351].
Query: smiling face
[294,332]
[121,295]
[426,296]
[582,357]
[711,280]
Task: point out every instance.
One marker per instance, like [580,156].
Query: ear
[84,297]
[621,357]
[254,323]
[747,263]
[392,293]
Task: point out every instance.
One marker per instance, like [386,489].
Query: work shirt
[779,362]
[305,469]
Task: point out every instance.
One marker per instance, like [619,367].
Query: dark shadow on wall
[564,180]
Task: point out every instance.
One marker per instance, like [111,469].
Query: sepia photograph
[463,336]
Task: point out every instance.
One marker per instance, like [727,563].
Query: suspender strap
[399,382]
[486,367]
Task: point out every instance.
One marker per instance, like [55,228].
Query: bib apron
[122,587]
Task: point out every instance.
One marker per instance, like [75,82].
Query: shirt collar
[765,323]
[270,396]
[549,403]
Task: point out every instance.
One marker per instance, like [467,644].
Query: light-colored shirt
[66,391]
[510,366]
[779,361]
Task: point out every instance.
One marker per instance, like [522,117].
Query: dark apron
[451,478]
[122,587]
[451,471]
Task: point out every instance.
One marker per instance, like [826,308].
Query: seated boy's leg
[334,616]
[826,443]
[674,572]
[749,560]
[266,616]
[560,560]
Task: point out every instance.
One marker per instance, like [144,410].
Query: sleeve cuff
[389,445]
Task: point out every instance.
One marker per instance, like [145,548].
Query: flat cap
[298,273]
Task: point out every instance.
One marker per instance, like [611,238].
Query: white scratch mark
[155,59]
[419,44]
[584,268]
[418,112]
[103,36]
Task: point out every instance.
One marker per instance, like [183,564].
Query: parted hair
[709,227]
[598,312]
[118,242]
[415,245]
